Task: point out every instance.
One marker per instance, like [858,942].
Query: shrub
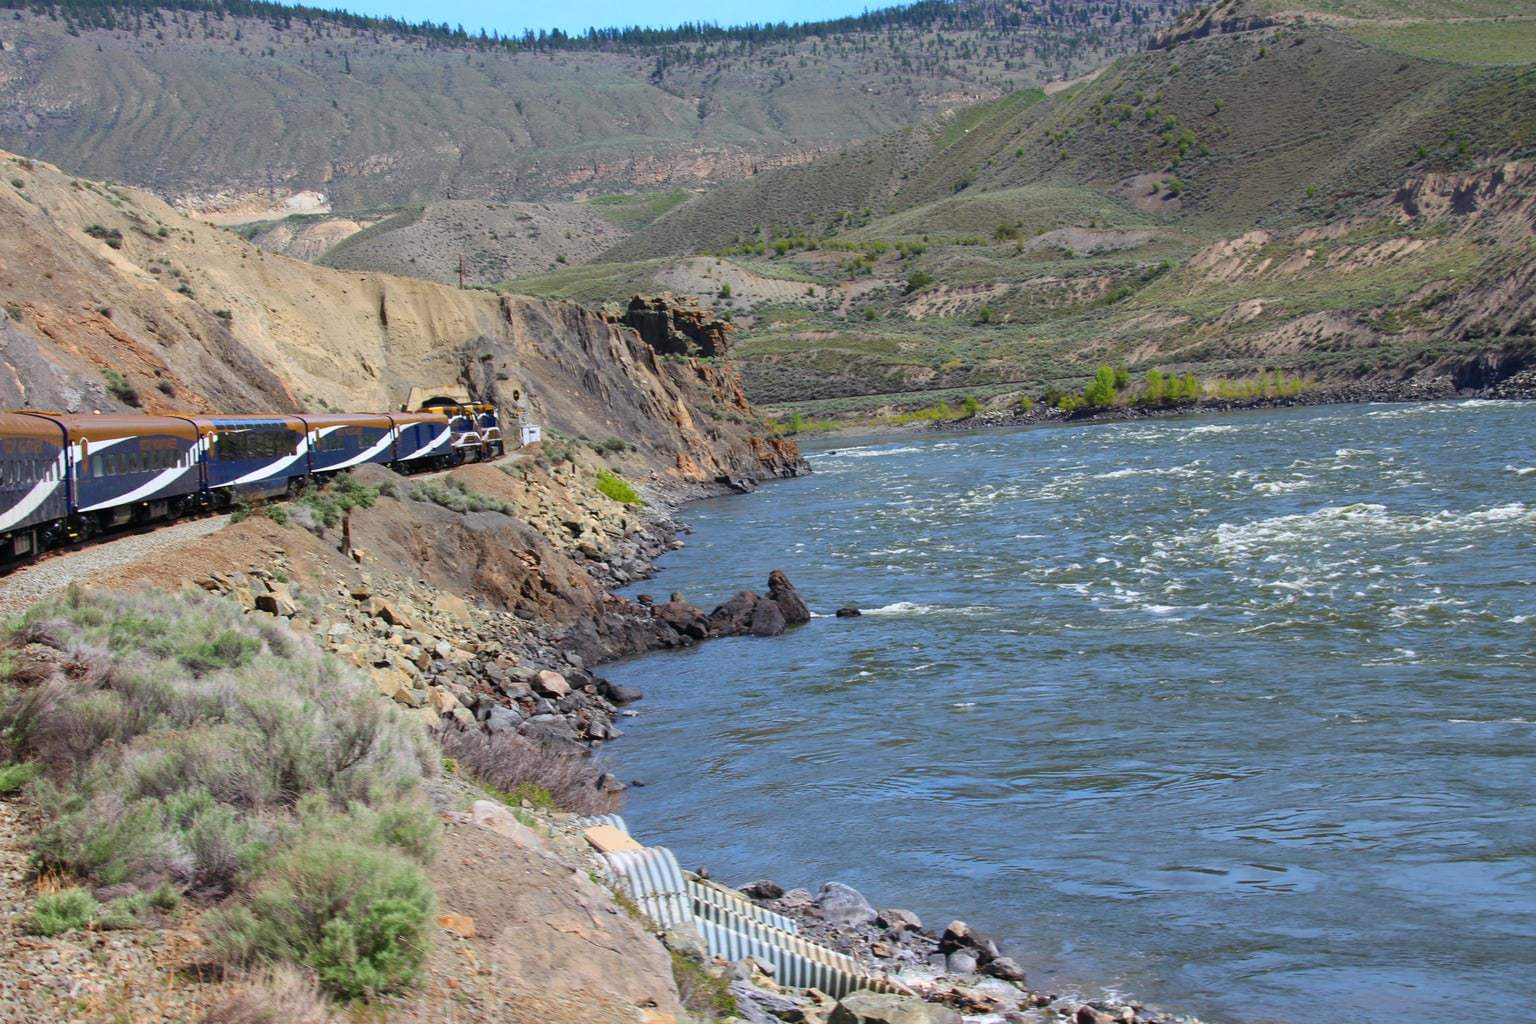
[725,289]
[58,912]
[612,445]
[970,406]
[357,914]
[120,388]
[984,314]
[518,769]
[454,494]
[1102,391]
[179,737]
[611,485]
[123,914]
[335,498]
[112,236]
[918,280]
[14,776]
[1026,405]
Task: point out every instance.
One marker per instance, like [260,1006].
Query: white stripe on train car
[437,441]
[364,456]
[157,483]
[34,498]
[271,469]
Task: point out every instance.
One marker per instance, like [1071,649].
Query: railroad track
[29,582]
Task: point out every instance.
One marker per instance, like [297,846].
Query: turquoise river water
[1235,715]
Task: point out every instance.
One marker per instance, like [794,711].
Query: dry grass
[282,995]
[565,777]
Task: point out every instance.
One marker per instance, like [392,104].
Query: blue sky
[579,15]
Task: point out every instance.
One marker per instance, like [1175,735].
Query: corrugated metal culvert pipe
[733,927]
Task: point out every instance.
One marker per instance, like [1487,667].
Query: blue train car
[421,439]
[130,469]
[252,456]
[340,442]
[34,474]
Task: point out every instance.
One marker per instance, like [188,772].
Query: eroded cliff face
[115,301]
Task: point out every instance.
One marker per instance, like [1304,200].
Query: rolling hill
[246,109]
[1335,192]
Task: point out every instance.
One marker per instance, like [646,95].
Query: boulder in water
[783,593]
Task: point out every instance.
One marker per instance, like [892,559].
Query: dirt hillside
[115,301]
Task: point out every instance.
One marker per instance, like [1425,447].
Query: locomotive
[67,477]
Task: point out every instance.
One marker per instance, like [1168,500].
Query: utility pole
[461,273]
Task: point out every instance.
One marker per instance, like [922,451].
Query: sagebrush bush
[188,748]
[455,495]
[519,767]
[327,503]
[357,914]
[58,912]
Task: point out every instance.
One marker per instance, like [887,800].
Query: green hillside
[1298,193]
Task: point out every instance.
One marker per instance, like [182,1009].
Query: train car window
[257,443]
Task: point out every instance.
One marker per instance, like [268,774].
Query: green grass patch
[1502,42]
[706,996]
[634,210]
[611,485]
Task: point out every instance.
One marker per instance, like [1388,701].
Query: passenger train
[67,477]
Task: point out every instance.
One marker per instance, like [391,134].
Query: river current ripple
[1234,715]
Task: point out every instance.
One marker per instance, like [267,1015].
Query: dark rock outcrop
[683,617]
[675,326]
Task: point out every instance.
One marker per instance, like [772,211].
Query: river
[1235,715]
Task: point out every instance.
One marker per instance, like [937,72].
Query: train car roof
[348,419]
[208,424]
[423,416]
[19,424]
[106,428]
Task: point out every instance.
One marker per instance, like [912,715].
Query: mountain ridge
[366,115]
